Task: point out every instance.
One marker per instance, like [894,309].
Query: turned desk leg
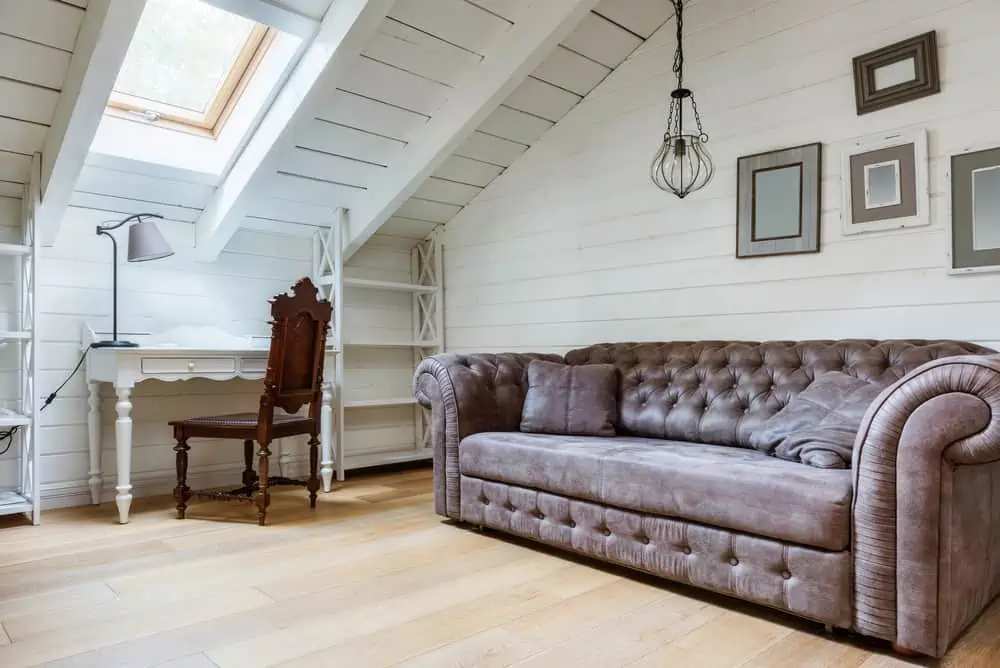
[123,448]
[326,437]
[95,478]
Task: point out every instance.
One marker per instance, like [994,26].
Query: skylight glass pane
[181,54]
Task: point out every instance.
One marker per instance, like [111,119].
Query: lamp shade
[146,242]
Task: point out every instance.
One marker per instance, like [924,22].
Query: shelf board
[389,285]
[379,403]
[9,418]
[364,459]
[392,344]
[11,336]
[12,502]
[324,280]
[14,249]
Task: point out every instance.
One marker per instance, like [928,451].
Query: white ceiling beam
[266,13]
[514,55]
[346,29]
[101,45]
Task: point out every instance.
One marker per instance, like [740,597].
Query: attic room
[499,333]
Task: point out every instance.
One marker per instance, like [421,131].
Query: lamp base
[115,344]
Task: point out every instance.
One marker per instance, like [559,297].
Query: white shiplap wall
[573,244]
[231,293]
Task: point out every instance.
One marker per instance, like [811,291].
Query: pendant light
[682,165]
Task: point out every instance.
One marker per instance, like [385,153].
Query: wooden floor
[371,578]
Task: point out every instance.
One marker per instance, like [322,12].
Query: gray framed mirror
[975,211]
[778,202]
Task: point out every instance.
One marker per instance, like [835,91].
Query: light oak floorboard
[374,578]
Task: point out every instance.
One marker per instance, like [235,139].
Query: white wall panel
[573,244]
[510,123]
[461,23]
[348,142]
[370,115]
[568,69]
[465,170]
[48,22]
[32,63]
[603,41]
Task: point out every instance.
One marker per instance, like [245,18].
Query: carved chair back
[294,378]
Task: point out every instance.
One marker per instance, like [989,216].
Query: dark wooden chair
[294,378]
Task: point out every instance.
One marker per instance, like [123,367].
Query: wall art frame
[897,73]
[965,169]
[778,202]
[885,182]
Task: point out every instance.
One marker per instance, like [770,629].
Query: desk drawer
[184,365]
[253,365]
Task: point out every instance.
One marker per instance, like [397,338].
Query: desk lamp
[145,242]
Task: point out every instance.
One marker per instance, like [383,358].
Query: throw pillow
[818,425]
[577,400]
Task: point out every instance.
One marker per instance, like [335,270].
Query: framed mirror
[884,180]
[778,202]
[975,211]
[897,73]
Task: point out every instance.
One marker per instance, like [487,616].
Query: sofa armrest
[925,459]
[468,394]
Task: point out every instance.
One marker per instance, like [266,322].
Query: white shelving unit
[24,497]
[427,339]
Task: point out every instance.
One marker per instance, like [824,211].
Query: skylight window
[187,64]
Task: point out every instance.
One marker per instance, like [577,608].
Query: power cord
[7,435]
[52,397]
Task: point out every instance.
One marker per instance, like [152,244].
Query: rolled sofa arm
[468,394]
[925,461]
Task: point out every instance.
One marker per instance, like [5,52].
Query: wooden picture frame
[778,202]
[898,73]
[973,249]
[902,199]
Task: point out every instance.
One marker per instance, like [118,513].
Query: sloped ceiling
[36,43]
[402,77]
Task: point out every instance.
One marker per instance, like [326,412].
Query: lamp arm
[103,229]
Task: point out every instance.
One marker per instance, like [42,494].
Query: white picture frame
[849,189]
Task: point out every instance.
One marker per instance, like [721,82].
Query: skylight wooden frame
[232,87]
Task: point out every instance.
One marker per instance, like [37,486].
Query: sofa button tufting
[686,550]
[606,531]
[733,561]
[786,575]
[539,515]
[571,524]
[644,540]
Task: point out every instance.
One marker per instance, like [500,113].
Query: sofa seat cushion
[734,488]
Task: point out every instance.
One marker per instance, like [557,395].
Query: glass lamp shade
[146,242]
[682,165]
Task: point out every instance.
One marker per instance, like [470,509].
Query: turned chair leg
[249,477]
[182,493]
[263,496]
[313,484]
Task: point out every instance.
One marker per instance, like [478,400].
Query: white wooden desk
[224,359]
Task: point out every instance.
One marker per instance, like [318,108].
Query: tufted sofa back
[720,391]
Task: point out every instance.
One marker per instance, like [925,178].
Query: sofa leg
[903,651]
[828,628]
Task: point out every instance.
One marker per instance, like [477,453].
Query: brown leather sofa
[903,544]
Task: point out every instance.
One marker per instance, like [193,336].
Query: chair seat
[245,424]
[734,488]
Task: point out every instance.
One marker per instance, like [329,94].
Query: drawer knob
[191,366]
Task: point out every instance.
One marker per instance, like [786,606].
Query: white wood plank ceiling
[36,43]
[399,81]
